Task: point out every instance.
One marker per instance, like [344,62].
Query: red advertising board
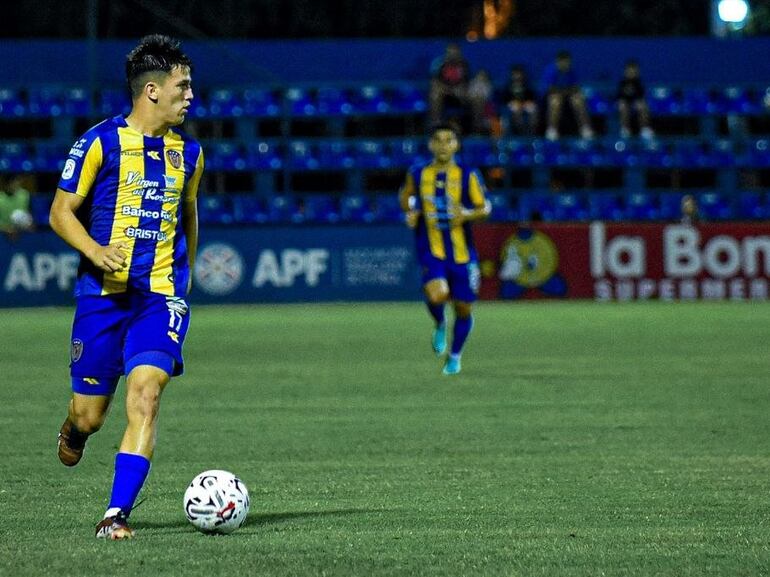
[624,261]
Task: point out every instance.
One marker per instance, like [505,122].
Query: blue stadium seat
[46,101]
[215,209]
[605,206]
[335,155]
[302,156]
[408,98]
[12,103]
[283,209]
[663,101]
[740,100]
[355,208]
[753,205]
[77,102]
[264,155]
[759,153]
[371,99]
[502,208]
[641,206]
[386,208]
[479,152]
[226,156]
[261,102]
[372,154]
[598,102]
[199,106]
[657,154]
[15,157]
[321,208]
[334,102]
[699,102]
[585,152]
[300,102]
[225,103]
[249,208]
[406,152]
[113,102]
[569,207]
[670,206]
[519,152]
[537,206]
[713,206]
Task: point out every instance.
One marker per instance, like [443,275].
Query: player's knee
[463,310]
[88,420]
[144,389]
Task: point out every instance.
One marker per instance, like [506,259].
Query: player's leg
[96,365]
[555,102]
[460,331]
[153,353]
[85,416]
[465,280]
[436,297]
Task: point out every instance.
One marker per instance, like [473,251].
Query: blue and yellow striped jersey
[436,192]
[133,187]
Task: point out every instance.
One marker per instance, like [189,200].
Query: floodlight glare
[733,11]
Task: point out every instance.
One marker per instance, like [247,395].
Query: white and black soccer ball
[216,502]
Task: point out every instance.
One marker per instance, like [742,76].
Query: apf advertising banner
[297,264]
[242,265]
[625,261]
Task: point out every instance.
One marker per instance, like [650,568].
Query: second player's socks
[130,473]
[460,332]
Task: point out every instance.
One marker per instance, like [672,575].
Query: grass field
[580,439]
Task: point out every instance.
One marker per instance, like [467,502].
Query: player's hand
[458,214]
[110,258]
[412,216]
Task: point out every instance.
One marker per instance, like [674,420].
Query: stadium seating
[716,153]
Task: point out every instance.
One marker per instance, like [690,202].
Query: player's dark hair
[153,55]
[563,55]
[451,126]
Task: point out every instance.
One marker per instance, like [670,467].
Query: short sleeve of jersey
[476,189]
[195,180]
[82,165]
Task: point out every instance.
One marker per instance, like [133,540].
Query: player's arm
[408,200]
[190,216]
[65,223]
[481,207]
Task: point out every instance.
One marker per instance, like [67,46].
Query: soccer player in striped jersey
[440,200]
[127,202]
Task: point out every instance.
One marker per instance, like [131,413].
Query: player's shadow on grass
[262,519]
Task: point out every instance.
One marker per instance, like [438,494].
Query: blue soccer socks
[130,473]
[461,330]
[437,312]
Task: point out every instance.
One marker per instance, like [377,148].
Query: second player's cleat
[439,339]
[71,444]
[452,365]
[115,528]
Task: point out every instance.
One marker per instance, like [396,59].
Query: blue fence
[241,265]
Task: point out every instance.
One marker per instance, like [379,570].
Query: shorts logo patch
[77,350]
[174,158]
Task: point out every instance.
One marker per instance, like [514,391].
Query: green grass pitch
[580,439]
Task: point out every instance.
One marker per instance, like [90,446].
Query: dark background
[257,19]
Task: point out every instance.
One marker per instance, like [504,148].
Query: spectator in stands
[690,213]
[449,86]
[15,216]
[520,103]
[481,97]
[560,83]
[631,100]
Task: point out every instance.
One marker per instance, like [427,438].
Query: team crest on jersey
[174,158]
[77,350]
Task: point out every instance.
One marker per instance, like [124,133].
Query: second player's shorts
[108,331]
[463,279]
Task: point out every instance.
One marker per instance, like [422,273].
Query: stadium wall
[231,62]
[599,261]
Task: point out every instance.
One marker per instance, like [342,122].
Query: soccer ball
[216,502]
